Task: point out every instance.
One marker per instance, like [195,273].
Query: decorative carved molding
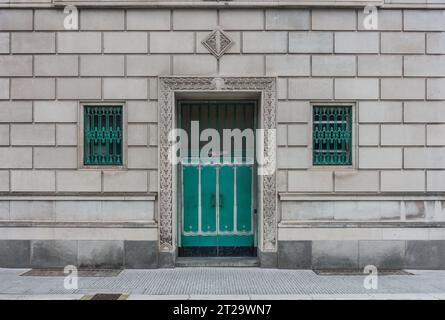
[167,86]
[217,42]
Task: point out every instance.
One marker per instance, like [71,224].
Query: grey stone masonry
[393,76]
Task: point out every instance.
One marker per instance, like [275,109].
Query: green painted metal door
[217,205]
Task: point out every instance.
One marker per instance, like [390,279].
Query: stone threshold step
[183,262]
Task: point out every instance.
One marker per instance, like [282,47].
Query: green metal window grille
[103,135]
[332,135]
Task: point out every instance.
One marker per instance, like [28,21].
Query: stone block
[128,211]
[99,19]
[148,65]
[32,181]
[380,158]
[102,65]
[115,88]
[281,180]
[53,253]
[311,42]
[66,134]
[101,254]
[384,254]
[148,19]
[194,65]
[369,135]
[406,42]
[142,111]
[15,111]
[435,43]
[282,88]
[32,210]
[402,181]
[244,65]
[142,158]
[15,253]
[167,42]
[32,88]
[435,89]
[335,254]
[387,20]
[294,254]
[435,135]
[59,157]
[307,210]
[435,181]
[49,19]
[293,111]
[33,134]
[125,181]
[422,254]
[356,181]
[79,211]
[79,181]
[15,66]
[4,187]
[197,19]
[153,181]
[125,42]
[4,42]
[4,205]
[334,19]
[141,254]
[297,135]
[35,42]
[265,42]
[152,135]
[16,19]
[242,19]
[424,66]
[4,134]
[55,65]
[428,20]
[79,42]
[55,111]
[79,88]
[288,19]
[288,65]
[420,111]
[137,135]
[403,89]
[402,135]
[15,158]
[424,158]
[310,88]
[357,88]
[4,89]
[292,158]
[356,42]
[337,66]
[380,66]
[310,181]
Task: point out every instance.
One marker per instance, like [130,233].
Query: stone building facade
[385,207]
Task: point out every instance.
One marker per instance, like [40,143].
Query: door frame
[174,88]
[254,191]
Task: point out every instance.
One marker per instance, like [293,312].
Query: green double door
[217,206]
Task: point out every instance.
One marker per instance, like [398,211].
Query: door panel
[217,198]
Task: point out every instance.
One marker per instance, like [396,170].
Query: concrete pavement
[225,283]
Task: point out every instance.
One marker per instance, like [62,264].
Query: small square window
[102,135]
[332,135]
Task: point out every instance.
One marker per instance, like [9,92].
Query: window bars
[332,135]
[103,135]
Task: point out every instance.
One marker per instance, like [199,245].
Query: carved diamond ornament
[217,42]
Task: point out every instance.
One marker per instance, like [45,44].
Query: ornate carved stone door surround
[267,211]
